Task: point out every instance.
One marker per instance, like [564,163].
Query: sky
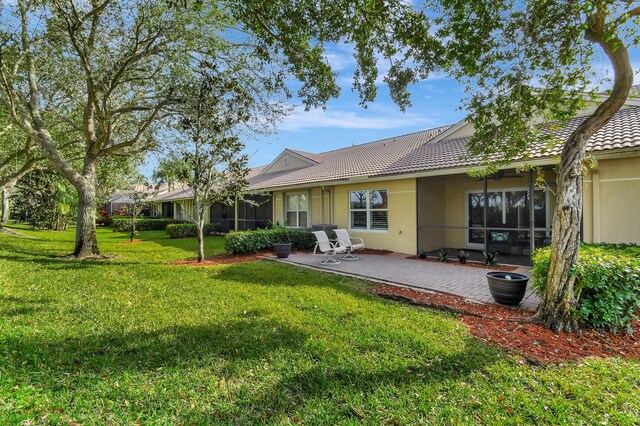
[344,122]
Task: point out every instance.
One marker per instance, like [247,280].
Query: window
[369,210]
[296,211]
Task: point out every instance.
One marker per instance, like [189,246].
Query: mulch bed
[223,259]
[509,328]
[470,264]
[131,242]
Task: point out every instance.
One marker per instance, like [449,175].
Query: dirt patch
[469,264]
[509,328]
[131,242]
[223,259]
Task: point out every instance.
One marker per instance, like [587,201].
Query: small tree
[140,197]
[213,114]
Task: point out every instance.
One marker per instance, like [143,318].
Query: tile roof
[180,193]
[417,152]
[359,160]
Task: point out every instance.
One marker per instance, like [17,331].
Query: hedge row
[120,224]
[246,242]
[607,282]
[183,230]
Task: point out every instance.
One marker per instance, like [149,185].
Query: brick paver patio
[396,269]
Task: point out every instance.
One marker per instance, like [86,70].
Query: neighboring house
[256,212]
[412,193]
[120,200]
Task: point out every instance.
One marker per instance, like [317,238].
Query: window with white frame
[369,210]
[297,207]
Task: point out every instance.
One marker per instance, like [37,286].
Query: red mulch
[471,264]
[131,242]
[508,328]
[223,259]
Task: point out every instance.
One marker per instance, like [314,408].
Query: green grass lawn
[136,339]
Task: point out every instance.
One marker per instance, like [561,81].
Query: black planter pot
[507,291]
[282,250]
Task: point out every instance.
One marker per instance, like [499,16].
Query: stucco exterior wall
[402,233]
[612,201]
[332,206]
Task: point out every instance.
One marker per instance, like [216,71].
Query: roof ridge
[443,127]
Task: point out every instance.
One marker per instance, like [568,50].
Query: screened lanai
[508,212]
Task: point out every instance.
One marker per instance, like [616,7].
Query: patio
[397,269]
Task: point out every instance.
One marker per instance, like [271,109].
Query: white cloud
[342,119]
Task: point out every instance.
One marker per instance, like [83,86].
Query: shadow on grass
[225,347]
[53,262]
[239,339]
[25,306]
[277,274]
[213,244]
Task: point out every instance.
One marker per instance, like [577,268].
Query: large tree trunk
[86,238]
[559,298]
[4,218]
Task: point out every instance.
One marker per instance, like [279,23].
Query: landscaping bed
[509,328]
[223,259]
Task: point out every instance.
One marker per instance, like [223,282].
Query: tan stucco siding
[332,206]
[315,206]
[612,201]
[401,235]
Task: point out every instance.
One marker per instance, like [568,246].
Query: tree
[110,68]
[140,196]
[44,200]
[215,111]
[527,62]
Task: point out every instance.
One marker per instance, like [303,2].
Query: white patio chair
[346,241]
[327,248]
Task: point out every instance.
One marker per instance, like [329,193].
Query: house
[122,199]
[412,193]
[254,212]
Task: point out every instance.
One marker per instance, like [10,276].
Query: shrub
[183,230]
[490,258]
[607,283]
[246,242]
[443,255]
[123,224]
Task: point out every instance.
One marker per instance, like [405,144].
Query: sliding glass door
[508,225]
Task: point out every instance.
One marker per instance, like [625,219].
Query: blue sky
[345,122]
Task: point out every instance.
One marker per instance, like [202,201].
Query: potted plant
[507,288]
[282,246]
